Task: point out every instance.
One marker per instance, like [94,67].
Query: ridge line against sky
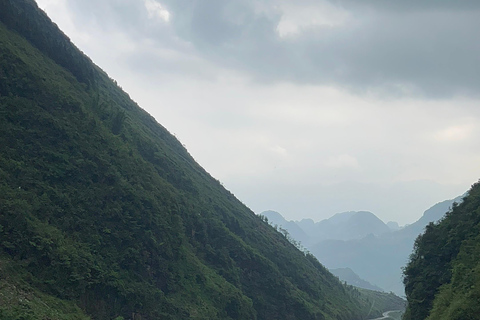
[307,108]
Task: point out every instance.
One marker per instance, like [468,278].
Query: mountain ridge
[341,226]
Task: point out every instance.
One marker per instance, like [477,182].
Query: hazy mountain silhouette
[362,242]
[379,259]
[350,277]
[393,225]
[341,226]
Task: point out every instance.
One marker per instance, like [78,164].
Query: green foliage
[19,300]
[442,279]
[103,212]
[25,18]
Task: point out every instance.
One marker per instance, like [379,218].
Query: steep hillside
[442,279]
[104,214]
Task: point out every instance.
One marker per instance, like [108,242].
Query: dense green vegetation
[104,214]
[442,279]
[19,300]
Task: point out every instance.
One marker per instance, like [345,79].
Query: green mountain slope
[104,214]
[442,279]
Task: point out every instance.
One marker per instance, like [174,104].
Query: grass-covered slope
[104,214]
[442,279]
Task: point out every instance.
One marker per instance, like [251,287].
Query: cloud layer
[399,48]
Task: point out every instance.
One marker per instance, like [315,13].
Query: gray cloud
[390,47]
[419,53]
[408,5]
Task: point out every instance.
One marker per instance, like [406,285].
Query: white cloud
[279,151]
[156,10]
[298,17]
[455,133]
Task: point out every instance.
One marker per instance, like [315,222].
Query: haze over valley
[361,242]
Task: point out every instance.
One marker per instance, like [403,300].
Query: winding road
[385,315]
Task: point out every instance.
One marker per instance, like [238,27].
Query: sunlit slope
[442,279]
[102,208]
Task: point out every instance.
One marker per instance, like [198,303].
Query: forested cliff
[104,214]
[442,279]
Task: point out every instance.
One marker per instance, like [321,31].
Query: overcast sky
[305,107]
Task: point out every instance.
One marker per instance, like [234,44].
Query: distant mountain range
[360,241]
[342,226]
